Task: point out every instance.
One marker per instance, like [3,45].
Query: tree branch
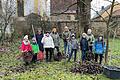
[56,14]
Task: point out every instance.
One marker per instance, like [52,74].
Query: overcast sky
[97,4]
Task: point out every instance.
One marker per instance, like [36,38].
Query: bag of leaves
[58,56]
[40,56]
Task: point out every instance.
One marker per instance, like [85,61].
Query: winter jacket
[66,36]
[47,42]
[91,39]
[35,48]
[56,39]
[74,44]
[99,47]
[39,38]
[84,44]
[26,48]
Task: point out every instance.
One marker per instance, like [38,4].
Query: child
[26,50]
[84,46]
[48,44]
[74,46]
[99,47]
[35,48]
[26,47]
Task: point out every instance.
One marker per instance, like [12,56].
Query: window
[68,17]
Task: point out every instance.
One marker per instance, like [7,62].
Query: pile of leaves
[21,68]
[87,68]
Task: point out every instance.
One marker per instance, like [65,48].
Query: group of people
[87,44]
[50,41]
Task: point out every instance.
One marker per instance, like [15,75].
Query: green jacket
[35,48]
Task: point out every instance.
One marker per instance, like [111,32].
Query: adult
[66,40]
[90,38]
[48,44]
[39,37]
[56,39]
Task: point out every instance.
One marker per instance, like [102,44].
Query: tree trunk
[84,14]
[3,33]
[108,23]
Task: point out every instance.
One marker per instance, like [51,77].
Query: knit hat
[34,39]
[25,37]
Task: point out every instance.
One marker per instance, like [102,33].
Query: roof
[58,6]
[101,12]
[106,10]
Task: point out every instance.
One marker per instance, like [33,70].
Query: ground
[10,68]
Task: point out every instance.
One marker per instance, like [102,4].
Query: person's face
[39,31]
[100,38]
[66,29]
[33,41]
[73,37]
[54,30]
[26,40]
[47,34]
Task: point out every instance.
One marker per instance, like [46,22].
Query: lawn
[10,68]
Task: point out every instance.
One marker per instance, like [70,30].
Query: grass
[50,71]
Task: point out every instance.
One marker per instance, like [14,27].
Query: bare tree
[108,25]
[9,9]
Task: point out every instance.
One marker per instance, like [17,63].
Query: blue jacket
[99,47]
[84,44]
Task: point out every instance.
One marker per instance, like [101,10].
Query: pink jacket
[26,48]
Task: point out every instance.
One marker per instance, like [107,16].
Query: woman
[48,44]
[66,40]
[56,39]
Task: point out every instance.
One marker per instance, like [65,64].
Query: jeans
[96,58]
[75,54]
[67,48]
[83,55]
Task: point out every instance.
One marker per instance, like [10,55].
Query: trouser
[49,54]
[96,58]
[75,54]
[83,56]
[41,47]
[34,57]
[91,49]
[66,47]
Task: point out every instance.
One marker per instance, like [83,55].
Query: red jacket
[26,48]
